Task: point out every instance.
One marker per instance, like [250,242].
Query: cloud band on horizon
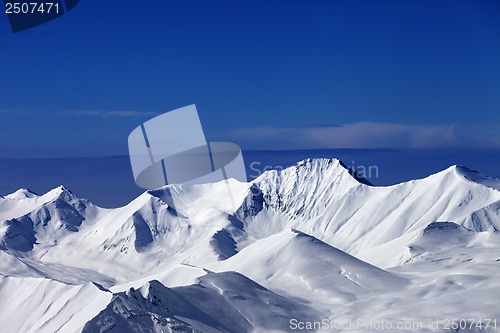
[368,135]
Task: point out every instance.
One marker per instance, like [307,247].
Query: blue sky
[264,74]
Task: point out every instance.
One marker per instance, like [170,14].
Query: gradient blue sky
[264,74]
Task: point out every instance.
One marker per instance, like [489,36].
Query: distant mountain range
[313,243]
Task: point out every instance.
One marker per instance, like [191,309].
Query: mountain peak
[58,190]
[61,193]
[313,163]
[297,190]
[319,167]
[476,177]
[62,188]
[22,193]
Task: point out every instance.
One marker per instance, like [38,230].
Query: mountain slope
[302,265]
[236,304]
[359,246]
[197,224]
[355,217]
[44,305]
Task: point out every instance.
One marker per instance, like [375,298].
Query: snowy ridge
[20,194]
[237,304]
[355,217]
[303,265]
[476,177]
[295,243]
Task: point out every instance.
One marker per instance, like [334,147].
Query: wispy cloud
[106,114]
[311,126]
[368,135]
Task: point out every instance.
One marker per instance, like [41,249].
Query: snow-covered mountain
[311,243]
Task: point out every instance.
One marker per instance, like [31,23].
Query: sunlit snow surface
[307,245]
